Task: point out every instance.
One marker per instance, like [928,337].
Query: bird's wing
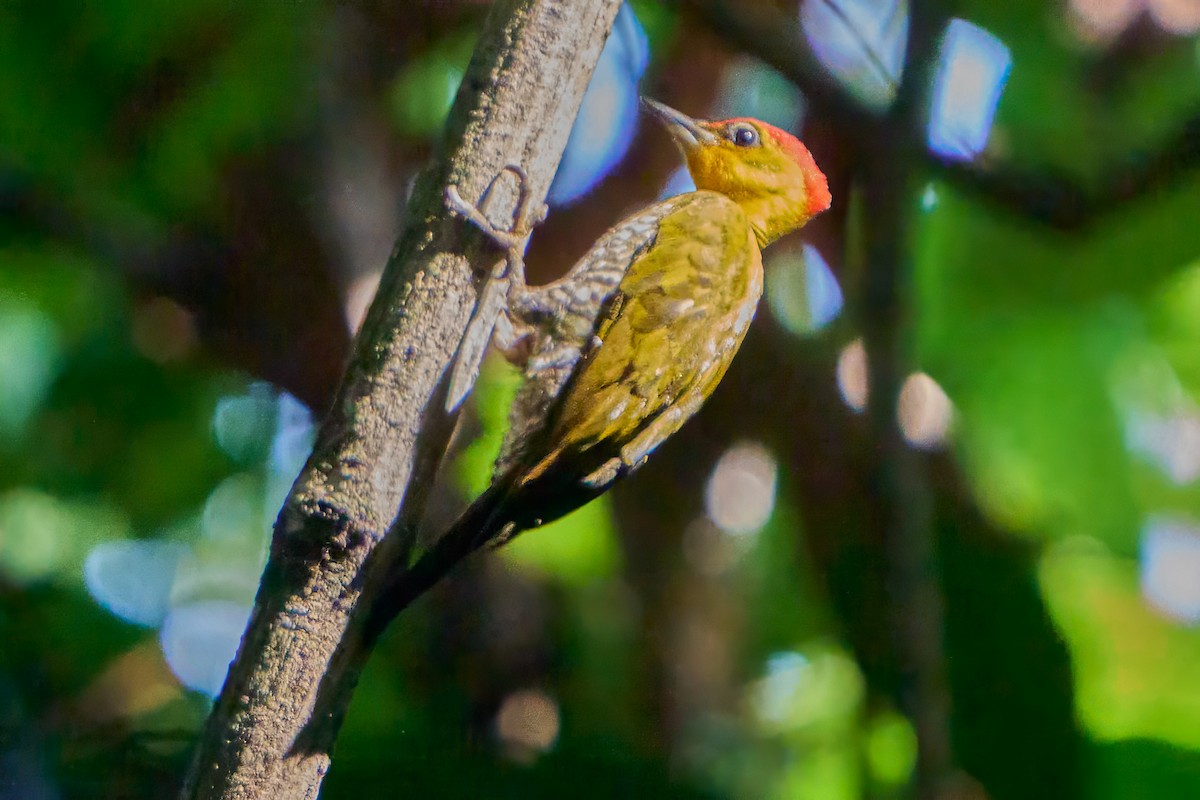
[564,316]
[666,336]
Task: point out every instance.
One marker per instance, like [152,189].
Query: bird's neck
[770,215]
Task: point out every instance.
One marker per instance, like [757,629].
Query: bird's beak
[683,129]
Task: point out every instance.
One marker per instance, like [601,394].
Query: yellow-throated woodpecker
[625,348]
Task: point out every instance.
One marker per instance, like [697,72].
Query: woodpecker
[625,348]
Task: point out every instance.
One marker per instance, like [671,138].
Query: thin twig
[1057,201]
[868,48]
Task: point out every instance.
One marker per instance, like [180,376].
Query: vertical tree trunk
[274,724]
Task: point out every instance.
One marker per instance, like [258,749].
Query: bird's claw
[506,240]
[525,218]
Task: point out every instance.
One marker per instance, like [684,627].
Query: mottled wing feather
[668,336]
[563,316]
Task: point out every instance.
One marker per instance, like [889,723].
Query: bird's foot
[506,281]
[513,239]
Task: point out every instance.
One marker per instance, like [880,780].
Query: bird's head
[765,170]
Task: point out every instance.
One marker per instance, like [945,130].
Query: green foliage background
[153,155]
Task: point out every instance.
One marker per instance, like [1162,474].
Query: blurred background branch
[899,488]
[1058,201]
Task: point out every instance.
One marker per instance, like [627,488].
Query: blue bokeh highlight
[196,584]
[824,295]
[1169,565]
[973,67]
[862,42]
[608,117]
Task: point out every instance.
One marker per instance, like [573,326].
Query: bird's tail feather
[510,505]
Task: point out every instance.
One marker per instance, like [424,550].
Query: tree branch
[274,724]
[1054,200]
[1062,203]
[901,495]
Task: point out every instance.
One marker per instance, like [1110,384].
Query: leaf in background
[1134,669]
[1039,436]
[30,358]
[576,549]
[255,90]
[1026,331]
[423,91]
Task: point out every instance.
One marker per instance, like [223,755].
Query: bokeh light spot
[710,550]
[776,692]
[750,88]
[359,295]
[891,749]
[1181,17]
[233,510]
[45,537]
[32,534]
[924,411]
[1171,442]
[929,198]
[135,683]
[802,292]
[852,374]
[243,424]
[133,579]
[162,330]
[1101,20]
[817,687]
[423,92]
[294,432]
[608,115]
[741,491]
[1170,567]
[527,723]
[199,640]
[679,182]
[860,41]
[972,69]
[29,362]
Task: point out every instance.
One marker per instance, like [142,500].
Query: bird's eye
[743,135]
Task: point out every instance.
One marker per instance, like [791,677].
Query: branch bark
[275,722]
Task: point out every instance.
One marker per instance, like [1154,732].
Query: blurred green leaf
[45,537]
[1134,669]
[891,746]
[423,91]
[576,549]
[29,360]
